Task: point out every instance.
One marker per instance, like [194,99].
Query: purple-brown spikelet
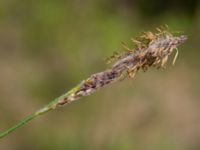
[151,49]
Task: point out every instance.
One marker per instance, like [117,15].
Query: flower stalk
[151,49]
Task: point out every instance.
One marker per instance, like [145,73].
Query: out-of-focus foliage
[48,46]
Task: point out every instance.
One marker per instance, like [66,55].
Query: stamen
[175,57]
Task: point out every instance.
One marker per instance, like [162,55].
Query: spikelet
[151,48]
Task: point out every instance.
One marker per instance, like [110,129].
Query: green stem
[21,123]
[52,105]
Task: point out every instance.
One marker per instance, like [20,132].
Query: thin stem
[52,105]
[21,123]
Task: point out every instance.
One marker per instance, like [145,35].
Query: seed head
[151,49]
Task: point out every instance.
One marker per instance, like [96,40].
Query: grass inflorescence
[150,49]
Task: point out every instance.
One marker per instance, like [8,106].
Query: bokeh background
[48,46]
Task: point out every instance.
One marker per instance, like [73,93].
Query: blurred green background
[48,46]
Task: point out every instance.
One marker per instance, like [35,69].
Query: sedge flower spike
[151,49]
